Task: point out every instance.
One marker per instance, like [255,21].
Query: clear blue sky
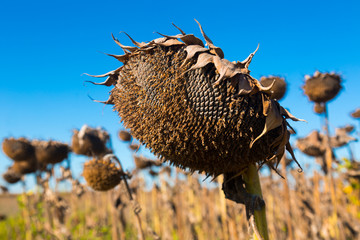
[45,46]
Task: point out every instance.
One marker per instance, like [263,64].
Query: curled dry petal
[182,32]
[121,58]
[170,37]
[245,64]
[112,77]
[140,45]
[123,47]
[262,88]
[225,68]
[190,39]
[203,60]
[192,50]
[273,120]
[109,101]
[159,40]
[287,115]
[274,117]
[213,49]
[170,42]
[244,85]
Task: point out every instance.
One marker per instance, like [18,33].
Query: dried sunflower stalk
[194,108]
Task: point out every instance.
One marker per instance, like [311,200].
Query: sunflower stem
[253,187]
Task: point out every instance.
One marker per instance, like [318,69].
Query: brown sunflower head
[18,149]
[11,176]
[319,108]
[356,113]
[142,162]
[278,86]
[25,167]
[90,141]
[134,146]
[322,87]
[341,137]
[125,136]
[194,108]
[50,152]
[102,174]
[312,145]
[348,128]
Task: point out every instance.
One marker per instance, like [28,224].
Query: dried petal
[213,49]
[190,39]
[203,60]
[192,50]
[273,120]
[123,47]
[245,63]
[170,42]
[140,45]
[111,80]
[182,32]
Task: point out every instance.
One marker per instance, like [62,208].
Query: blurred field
[8,204]
[181,206]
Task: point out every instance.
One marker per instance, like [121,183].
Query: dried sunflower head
[341,137]
[194,108]
[319,108]
[348,128]
[47,152]
[134,146]
[356,113]
[312,145]
[25,167]
[18,149]
[90,141]
[322,87]
[102,174]
[143,162]
[124,136]
[278,86]
[11,176]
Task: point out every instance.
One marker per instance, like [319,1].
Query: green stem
[252,185]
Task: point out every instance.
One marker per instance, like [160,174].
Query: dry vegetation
[180,206]
[240,128]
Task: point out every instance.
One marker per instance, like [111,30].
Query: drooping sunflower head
[102,174]
[50,152]
[18,149]
[322,87]
[194,108]
[90,141]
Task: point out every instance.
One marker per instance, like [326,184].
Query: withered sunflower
[194,108]
[102,174]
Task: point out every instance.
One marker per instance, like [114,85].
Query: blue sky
[46,46]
